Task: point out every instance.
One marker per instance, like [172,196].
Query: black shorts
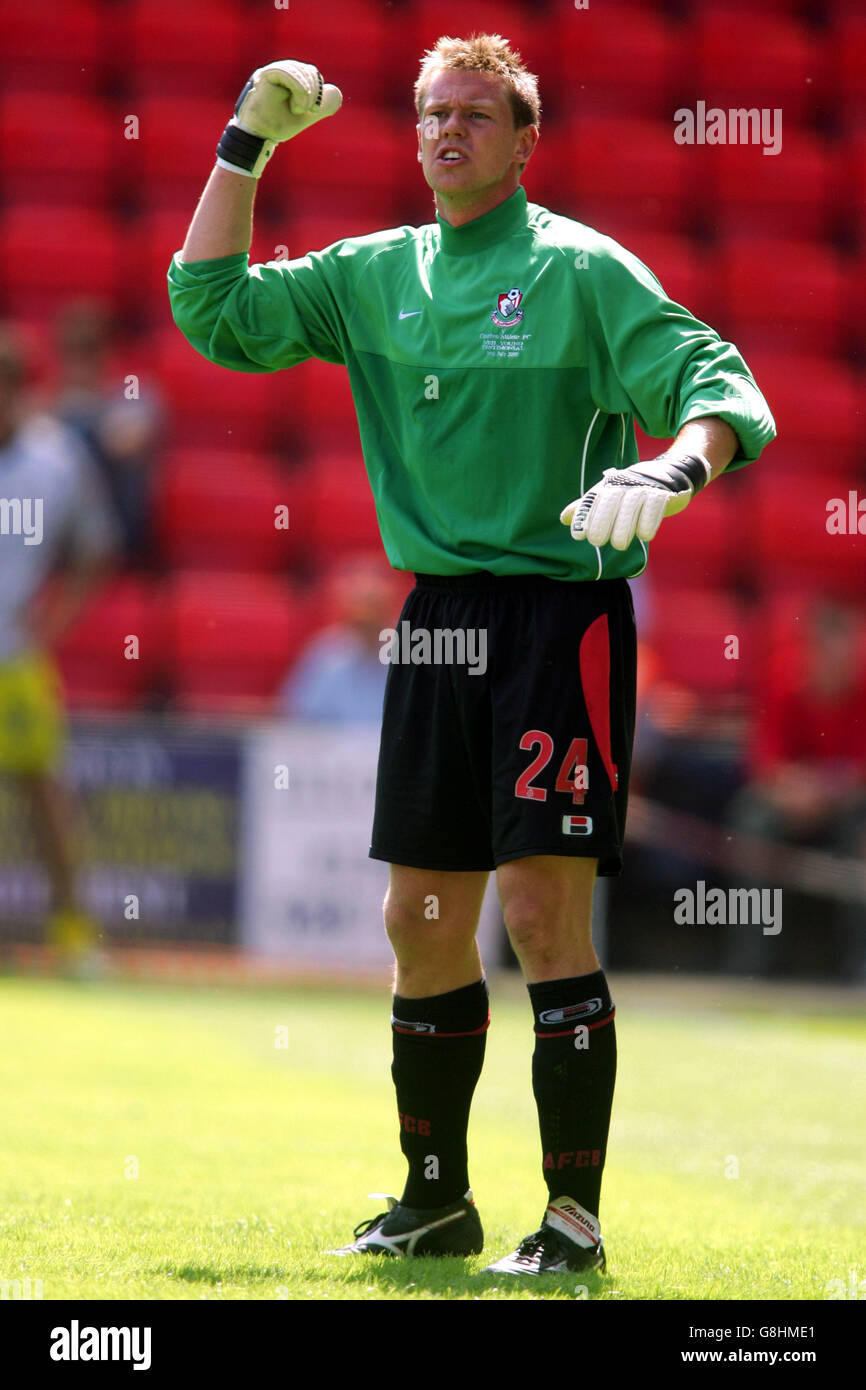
[512,734]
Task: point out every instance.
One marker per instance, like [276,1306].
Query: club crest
[508,311]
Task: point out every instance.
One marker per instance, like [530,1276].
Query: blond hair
[484,53]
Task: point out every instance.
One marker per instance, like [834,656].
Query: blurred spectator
[339,676]
[645,753]
[119,420]
[52,509]
[685,739]
[808,772]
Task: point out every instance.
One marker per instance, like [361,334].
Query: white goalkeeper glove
[280,101]
[634,501]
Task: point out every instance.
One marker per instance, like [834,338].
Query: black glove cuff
[694,467]
[238,147]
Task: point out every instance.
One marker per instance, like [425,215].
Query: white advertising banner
[308,890]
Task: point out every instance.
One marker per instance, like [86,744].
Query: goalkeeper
[498,357]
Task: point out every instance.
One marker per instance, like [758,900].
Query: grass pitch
[158,1142]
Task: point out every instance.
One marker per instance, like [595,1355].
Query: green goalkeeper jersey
[497,369]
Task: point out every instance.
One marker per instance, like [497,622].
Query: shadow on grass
[231,1274]
[449,1276]
[443,1277]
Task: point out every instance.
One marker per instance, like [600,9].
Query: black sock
[438,1053]
[573,1075]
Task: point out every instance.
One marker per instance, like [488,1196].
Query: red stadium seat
[847,61]
[155,238]
[818,408]
[168,164]
[777,294]
[755,59]
[198,48]
[65,156]
[686,276]
[615,173]
[46,257]
[599,68]
[854,159]
[63,51]
[230,639]
[326,410]
[221,510]
[96,661]
[784,620]
[795,194]
[363,162]
[791,541]
[738,8]
[342,513]
[699,549]
[218,408]
[693,635]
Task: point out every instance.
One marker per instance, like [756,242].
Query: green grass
[252,1160]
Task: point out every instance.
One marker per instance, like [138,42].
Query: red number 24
[571,777]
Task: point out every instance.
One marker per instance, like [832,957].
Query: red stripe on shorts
[595,679]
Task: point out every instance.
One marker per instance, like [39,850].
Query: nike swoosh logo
[404,314]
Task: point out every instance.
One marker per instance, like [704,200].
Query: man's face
[467,141]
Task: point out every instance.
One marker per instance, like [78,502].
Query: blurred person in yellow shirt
[53,514]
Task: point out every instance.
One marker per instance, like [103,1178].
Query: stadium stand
[697,623]
[819,424]
[847,63]
[775,293]
[157,38]
[97,674]
[166,166]
[67,55]
[64,158]
[799,195]
[342,515]
[230,637]
[618,169]
[705,553]
[728,62]
[626,69]
[49,255]
[205,413]
[225,510]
